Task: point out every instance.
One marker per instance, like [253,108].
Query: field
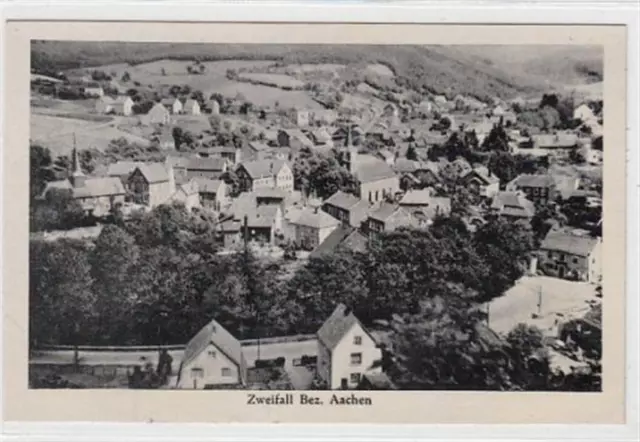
[57,133]
[380,69]
[273,80]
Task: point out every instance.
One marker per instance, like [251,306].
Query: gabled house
[254,175]
[322,137]
[213,357]
[264,223]
[424,207]
[122,105]
[312,227]
[93,89]
[294,138]
[212,193]
[456,169]
[541,189]
[191,107]
[570,256]
[347,208]
[512,205]
[188,194]
[376,179]
[346,351]
[584,113]
[209,168]
[173,104]
[344,237]
[122,170]
[555,141]
[159,114]
[482,181]
[151,184]
[299,117]
[387,218]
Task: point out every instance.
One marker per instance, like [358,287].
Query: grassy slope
[477,70]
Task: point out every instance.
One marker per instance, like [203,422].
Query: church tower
[350,154]
[77,177]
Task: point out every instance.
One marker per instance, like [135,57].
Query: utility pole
[539,300]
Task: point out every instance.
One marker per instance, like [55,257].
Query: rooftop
[569,243]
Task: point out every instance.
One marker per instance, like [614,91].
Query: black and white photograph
[208,216]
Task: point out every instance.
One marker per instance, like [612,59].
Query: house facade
[212,358]
[208,168]
[213,193]
[159,114]
[346,351]
[538,188]
[570,256]
[174,105]
[261,174]
[151,184]
[387,218]
[312,227]
[347,208]
[191,107]
[482,182]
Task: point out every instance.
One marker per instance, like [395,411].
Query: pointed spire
[77,176]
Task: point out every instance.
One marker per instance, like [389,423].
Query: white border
[568,12]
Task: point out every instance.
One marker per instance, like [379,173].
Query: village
[356,171]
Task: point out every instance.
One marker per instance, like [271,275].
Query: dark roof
[417,197]
[337,325]
[332,241]
[569,243]
[513,204]
[384,212]
[214,333]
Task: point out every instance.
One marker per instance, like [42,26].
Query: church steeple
[351,152]
[77,177]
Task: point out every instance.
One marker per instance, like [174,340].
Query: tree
[497,140]
[529,358]
[504,165]
[60,298]
[232,180]
[163,72]
[40,167]
[411,153]
[125,77]
[201,68]
[58,210]
[321,174]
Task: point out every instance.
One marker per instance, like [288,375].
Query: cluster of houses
[348,356]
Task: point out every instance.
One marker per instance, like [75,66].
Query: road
[288,350]
[559,300]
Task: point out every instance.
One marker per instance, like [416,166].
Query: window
[212,353]
[376,195]
[575,260]
[356,358]
[357,340]
[197,372]
[355,378]
[226,371]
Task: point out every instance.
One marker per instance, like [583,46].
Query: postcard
[237,222]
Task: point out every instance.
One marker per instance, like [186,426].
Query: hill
[481,71]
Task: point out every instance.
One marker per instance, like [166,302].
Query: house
[299,117]
[122,105]
[555,141]
[122,170]
[230,232]
[173,104]
[387,218]
[324,116]
[165,141]
[179,165]
[265,173]
[571,256]
[538,188]
[212,193]
[98,196]
[376,179]
[159,114]
[212,357]
[188,194]
[584,113]
[591,156]
[344,237]
[424,207]
[424,108]
[498,111]
[440,99]
[229,153]
[209,168]
[191,107]
[347,208]
[482,181]
[264,223]
[214,106]
[104,104]
[387,156]
[151,184]
[322,137]
[428,173]
[512,205]
[293,138]
[312,227]
[346,351]
[93,89]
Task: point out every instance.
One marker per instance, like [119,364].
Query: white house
[159,114]
[173,104]
[312,226]
[346,350]
[583,113]
[213,357]
[191,107]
